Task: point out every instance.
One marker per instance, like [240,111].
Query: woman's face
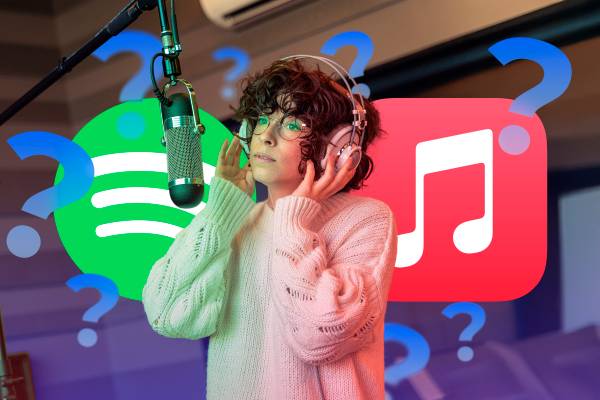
[283,171]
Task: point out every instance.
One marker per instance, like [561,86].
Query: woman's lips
[264,159]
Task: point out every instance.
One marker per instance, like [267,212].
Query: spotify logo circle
[127,221]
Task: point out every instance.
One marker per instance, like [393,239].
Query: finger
[309,176]
[347,164]
[238,152]
[250,182]
[230,151]
[344,176]
[346,172]
[328,175]
[351,168]
[222,151]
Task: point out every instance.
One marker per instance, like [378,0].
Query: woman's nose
[270,133]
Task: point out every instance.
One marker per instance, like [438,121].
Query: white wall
[579,216]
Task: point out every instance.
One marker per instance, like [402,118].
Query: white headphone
[353,147]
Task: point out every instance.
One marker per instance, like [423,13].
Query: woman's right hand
[228,167]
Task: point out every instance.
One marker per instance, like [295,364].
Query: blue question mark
[145,45]
[22,240]
[418,352]
[477,314]
[556,66]
[132,125]
[364,44]
[241,65]
[109,296]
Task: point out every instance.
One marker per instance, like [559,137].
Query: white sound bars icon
[138,161]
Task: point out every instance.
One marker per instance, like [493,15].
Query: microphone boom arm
[125,17]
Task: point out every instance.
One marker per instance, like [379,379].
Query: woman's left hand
[329,184]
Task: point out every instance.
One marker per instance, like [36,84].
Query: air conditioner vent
[239,13]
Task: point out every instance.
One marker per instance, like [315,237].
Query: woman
[291,290]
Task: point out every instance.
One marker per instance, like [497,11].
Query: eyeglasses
[289,128]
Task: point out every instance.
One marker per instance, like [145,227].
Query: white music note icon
[443,154]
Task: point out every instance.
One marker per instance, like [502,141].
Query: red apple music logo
[469,197]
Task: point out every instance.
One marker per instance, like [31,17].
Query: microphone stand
[170,41]
[125,17]
[7,391]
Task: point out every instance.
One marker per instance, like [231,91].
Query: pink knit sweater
[293,299]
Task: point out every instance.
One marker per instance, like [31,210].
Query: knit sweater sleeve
[329,302]
[187,287]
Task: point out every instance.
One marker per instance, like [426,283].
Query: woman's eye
[262,120]
[294,125]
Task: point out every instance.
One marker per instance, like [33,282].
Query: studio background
[544,345]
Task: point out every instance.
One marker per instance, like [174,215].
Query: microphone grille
[184,153]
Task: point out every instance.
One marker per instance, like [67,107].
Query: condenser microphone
[181,123]
[182,130]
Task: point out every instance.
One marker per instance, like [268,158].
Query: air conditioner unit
[234,14]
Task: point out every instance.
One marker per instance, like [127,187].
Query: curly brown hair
[309,95]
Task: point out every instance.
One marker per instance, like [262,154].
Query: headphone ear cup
[335,143]
[243,134]
[339,141]
[354,152]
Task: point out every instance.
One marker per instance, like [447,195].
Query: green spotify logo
[127,220]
